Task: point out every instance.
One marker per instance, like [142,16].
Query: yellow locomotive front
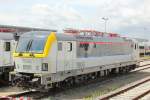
[30,56]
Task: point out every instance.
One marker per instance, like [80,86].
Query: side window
[59,46]
[81,46]
[94,45]
[69,46]
[86,47]
[7,46]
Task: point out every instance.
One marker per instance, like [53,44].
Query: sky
[129,18]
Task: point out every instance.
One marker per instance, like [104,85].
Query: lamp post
[105,19]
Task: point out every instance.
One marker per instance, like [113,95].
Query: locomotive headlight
[44,66]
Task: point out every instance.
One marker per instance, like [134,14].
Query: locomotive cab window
[7,46]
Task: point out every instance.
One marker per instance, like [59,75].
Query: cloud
[84,2]
[125,16]
[128,17]
[57,16]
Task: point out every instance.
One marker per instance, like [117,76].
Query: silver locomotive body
[45,59]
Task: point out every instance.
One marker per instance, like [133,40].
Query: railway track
[27,94]
[133,91]
[38,95]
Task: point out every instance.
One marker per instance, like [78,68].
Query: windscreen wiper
[29,45]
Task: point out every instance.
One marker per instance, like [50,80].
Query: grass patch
[100,93]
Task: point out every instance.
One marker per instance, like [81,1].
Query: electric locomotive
[46,59]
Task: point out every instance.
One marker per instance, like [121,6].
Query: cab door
[64,56]
[60,56]
[68,55]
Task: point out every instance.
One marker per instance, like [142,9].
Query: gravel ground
[91,91]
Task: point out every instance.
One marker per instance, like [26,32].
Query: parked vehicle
[49,59]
